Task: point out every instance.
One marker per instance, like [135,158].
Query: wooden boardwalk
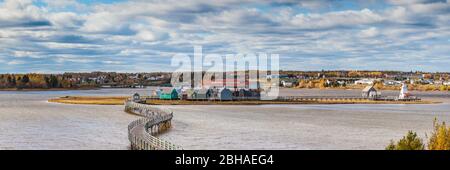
[142,132]
[338,98]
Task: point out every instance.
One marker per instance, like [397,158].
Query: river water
[28,121]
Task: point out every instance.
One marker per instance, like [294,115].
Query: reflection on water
[27,121]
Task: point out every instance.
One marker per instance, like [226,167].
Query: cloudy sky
[51,36]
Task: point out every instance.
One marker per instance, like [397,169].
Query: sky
[48,36]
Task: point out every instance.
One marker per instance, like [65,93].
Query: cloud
[410,2]
[112,62]
[21,13]
[65,20]
[15,62]
[370,32]
[21,54]
[142,35]
[336,19]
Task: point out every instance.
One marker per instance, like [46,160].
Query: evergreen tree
[25,79]
[54,81]
[9,80]
[409,142]
[13,82]
[47,82]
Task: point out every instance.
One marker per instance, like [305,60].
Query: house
[186,93]
[391,83]
[255,94]
[243,93]
[156,93]
[247,94]
[438,82]
[364,81]
[189,94]
[203,94]
[136,97]
[168,94]
[287,83]
[427,81]
[225,94]
[369,92]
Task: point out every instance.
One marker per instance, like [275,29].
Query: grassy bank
[113,100]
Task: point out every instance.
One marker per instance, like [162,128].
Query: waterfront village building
[168,94]
[225,94]
[369,92]
[253,94]
[219,89]
[244,93]
[203,94]
[156,93]
[187,94]
[136,97]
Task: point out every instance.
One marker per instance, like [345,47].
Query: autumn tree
[440,137]
[322,84]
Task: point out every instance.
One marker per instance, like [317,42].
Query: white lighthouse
[404,92]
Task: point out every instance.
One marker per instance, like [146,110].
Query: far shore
[119,100]
[297,88]
[49,89]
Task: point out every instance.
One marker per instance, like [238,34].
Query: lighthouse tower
[404,92]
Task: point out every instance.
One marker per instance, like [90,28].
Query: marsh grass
[113,100]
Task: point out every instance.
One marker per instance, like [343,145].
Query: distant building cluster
[222,94]
[389,79]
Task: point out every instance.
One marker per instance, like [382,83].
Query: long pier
[142,132]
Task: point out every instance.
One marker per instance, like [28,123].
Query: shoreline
[293,88]
[119,100]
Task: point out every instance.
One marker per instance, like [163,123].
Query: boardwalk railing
[317,98]
[141,132]
[331,98]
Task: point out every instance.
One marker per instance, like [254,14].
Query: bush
[440,137]
[409,142]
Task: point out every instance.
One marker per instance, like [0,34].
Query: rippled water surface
[27,121]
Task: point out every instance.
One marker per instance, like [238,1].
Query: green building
[168,94]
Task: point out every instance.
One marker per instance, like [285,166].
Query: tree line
[23,81]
